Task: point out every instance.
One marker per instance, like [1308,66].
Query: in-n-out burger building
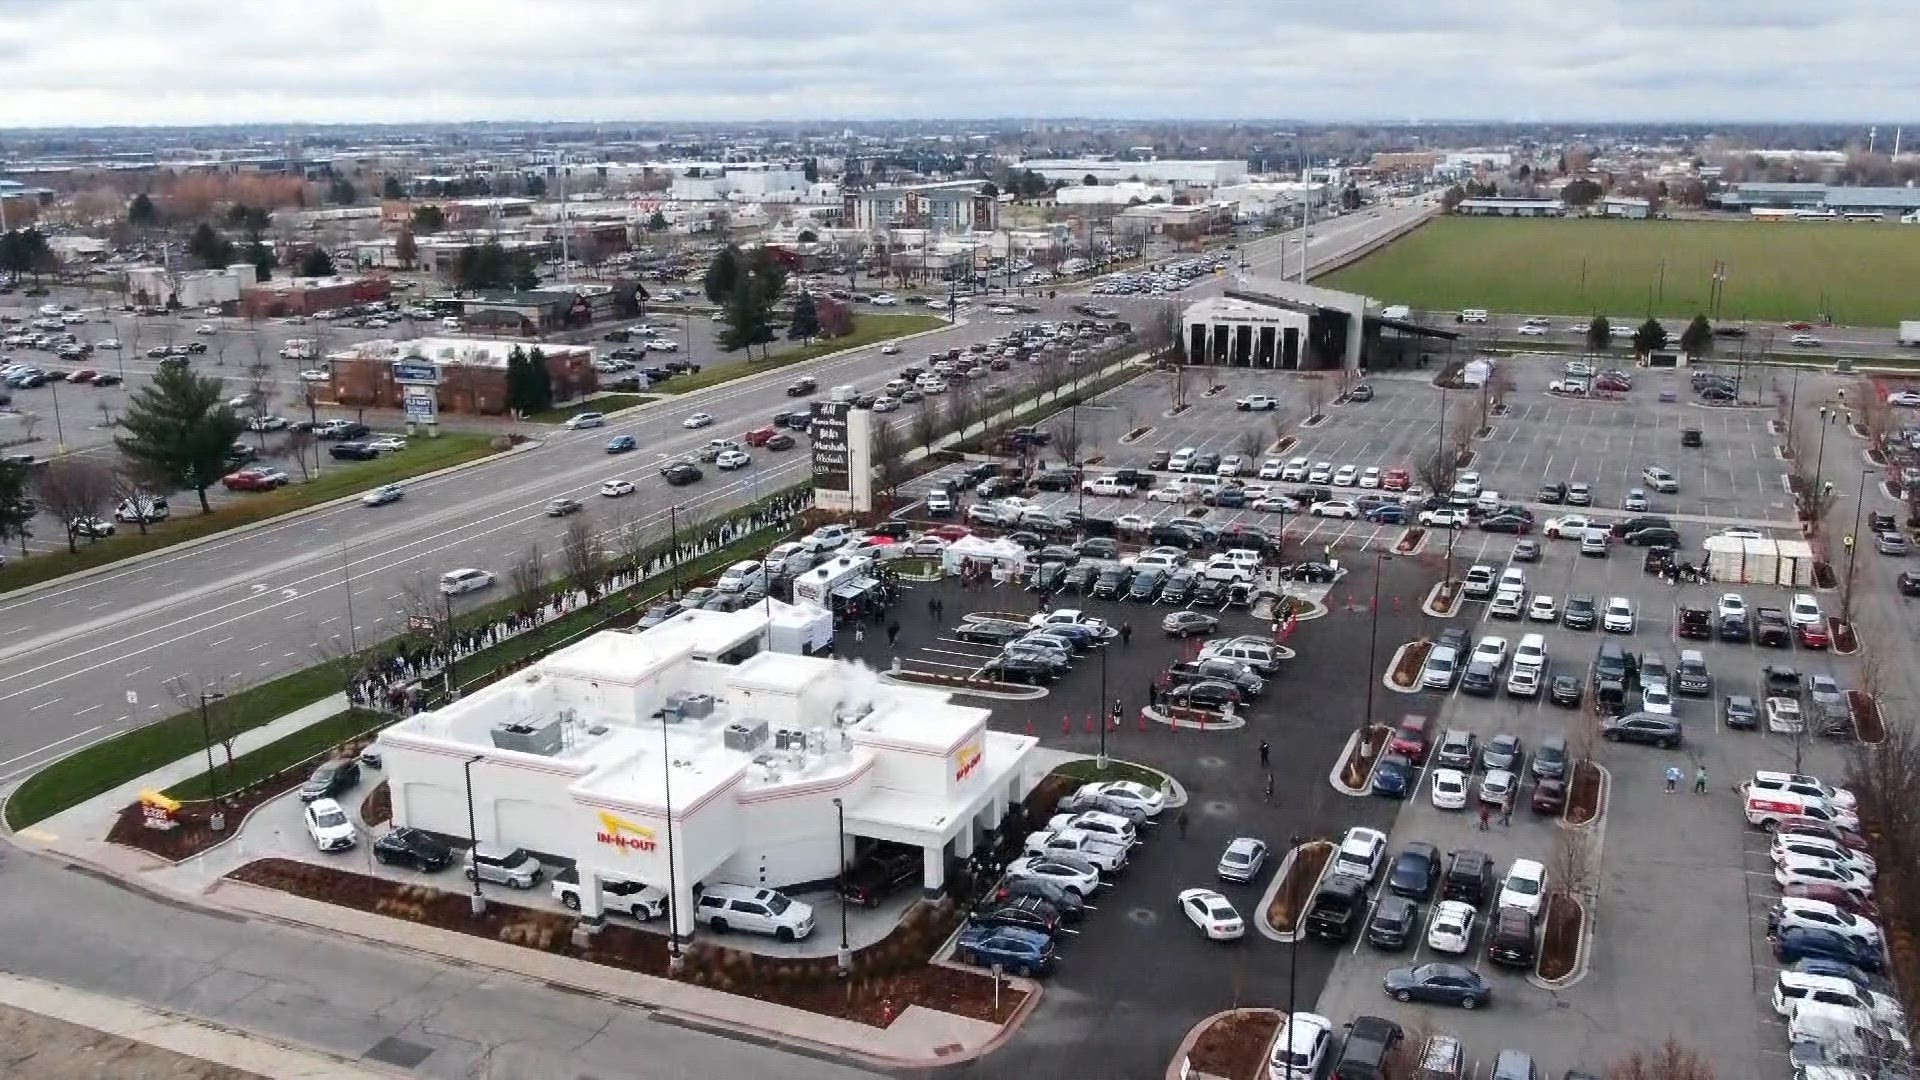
[627,750]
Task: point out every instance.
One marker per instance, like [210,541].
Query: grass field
[337,478]
[867,329]
[1862,274]
[605,403]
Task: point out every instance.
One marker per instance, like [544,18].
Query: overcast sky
[95,62]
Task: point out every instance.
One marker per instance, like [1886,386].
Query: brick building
[473,372]
[306,295]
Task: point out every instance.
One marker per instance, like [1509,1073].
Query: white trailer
[1910,332]
[1795,569]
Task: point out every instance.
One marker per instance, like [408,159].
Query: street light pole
[1373,634]
[673,552]
[59,435]
[217,820]
[1853,546]
[845,956]
[451,683]
[478,903]
[675,961]
[1100,705]
[1293,951]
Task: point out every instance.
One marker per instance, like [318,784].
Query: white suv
[726,907]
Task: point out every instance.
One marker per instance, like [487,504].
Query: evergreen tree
[16,504]
[1697,338]
[405,248]
[1599,334]
[391,189]
[520,393]
[657,223]
[179,427]
[806,318]
[723,274]
[539,380]
[141,213]
[1649,337]
[209,248]
[317,263]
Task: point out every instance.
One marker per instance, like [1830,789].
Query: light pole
[450,682]
[217,821]
[1100,704]
[1373,634]
[675,961]
[845,955]
[478,903]
[673,552]
[59,436]
[1853,546]
[1293,951]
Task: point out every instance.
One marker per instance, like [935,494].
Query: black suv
[1369,1050]
[1469,877]
[330,779]
[1510,938]
[1581,613]
[411,847]
[680,473]
[886,869]
[1641,727]
[1337,908]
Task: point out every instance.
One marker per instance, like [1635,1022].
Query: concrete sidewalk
[171,1032]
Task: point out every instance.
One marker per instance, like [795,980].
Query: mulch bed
[887,976]
[1465,459]
[1407,671]
[1178,409]
[1235,1046]
[1866,717]
[1583,795]
[1824,577]
[1409,540]
[377,807]
[1483,431]
[1136,433]
[1359,764]
[1560,941]
[1844,639]
[1448,595]
[1290,901]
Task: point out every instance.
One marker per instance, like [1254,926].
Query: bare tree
[1460,429]
[926,423]
[300,442]
[1573,868]
[131,481]
[1251,443]
[1316,389]
[890,460]
[1178,376]
[105,407]
[421,607]
[586,565]
[1670,1061]
[1875,415]
[1280,422]
[629,538]
[527,577]
[29,421]
[1436,470]
[1068,437]
[193,694]
[72,490]
[262,389]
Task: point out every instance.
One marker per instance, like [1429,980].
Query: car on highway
[621,444]
[680,473]
[614,489]
[697,420]
[382,495]
[563,506]
[465,580]
[728,460]
[579,421]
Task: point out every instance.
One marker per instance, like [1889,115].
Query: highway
[1762,340]
[82,661]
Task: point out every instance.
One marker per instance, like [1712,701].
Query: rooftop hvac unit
[746,736]
[544,739]
[691,706]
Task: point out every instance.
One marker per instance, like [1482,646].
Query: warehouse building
[693,754]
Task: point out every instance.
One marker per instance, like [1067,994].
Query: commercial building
[1819,197]
[692,754]
[1178,175]
[471,372]
[954,206]
[1264,322]
[307,295]
[1623,207]
[1497,207]
[162,287]
[749,181]
[1121,194]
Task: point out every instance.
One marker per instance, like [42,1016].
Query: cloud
[95,62]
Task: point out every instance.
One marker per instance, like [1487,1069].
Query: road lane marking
[49,746]
[44,704]
[85,711]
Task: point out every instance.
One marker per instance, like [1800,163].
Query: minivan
[724,907]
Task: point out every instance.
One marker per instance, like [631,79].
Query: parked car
[1439,983]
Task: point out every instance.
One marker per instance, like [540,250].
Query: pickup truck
[1231,672]
[643,902]
[1257,403]
[1771,628]
[885,870]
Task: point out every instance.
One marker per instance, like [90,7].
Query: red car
[1799,325]
[84,375]
[950,533]
[760,436]
[251,480]
[1410,738]
[1396,479]
[1812,636]
[1834,895]
[1617,386]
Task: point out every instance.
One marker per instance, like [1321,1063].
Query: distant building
[161,287]
[1819,197]
[1178,175]
[1511,208]
[473,371]
[1623,207]
[307,295]
[954,206]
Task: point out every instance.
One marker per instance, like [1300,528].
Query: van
[939,502]
[1767,807]
[844,392]
[725,907]
[1258,655]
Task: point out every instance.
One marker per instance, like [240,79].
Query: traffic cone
[1066,723]
[1143,719]
[1090,727]
[1029,725]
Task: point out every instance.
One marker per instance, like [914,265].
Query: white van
[1767,807]
[724,907]
[1258,655]
[1226,568]
[1473,315]
[449,323]
[844,392]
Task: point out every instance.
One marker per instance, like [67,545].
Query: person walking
[1126,633]
[1673,779]
[860,637]
[1484,811]
[1181,821]
[1506,812]
[1269,795]
[893,632]
[1265,753]
[1700,780]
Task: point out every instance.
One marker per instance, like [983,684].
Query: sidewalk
[165,1031]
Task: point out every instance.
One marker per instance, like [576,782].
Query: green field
[1861,274]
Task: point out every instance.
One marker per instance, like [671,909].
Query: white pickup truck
[1257,403]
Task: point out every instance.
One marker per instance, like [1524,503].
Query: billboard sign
[831,455]
[421,406]
[416,372]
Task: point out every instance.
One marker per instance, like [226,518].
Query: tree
[1090,180]
[990,189]
[391,189]
[810,169]
[586,564]
[768,271]
[1452,198]
[25,251]
[405,248]
[1436,471]
[657,222]
[808,236]
[522,398]
[141,213]
[16,504]
[1649,337]
[1582,192]
[489,266]
[178,427]
[836,318]
[73,488]
[540,379]
[341,191]
[1672,1061]
[723,274]
[890,459]
[536,187]
[806,319]
[208,248]
[1697,338]
[1599,334]
[428,220]
[749,318]
[317,263]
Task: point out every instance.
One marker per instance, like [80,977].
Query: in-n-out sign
[618,832]
[969,760]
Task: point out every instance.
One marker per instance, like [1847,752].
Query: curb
[1427,606]
[1386,678]
[1600,812]
[1581,956]
[1285,937]
[1346,751]
[1426,534]
[1226,723]
[1176,791]
[253,526]
[1179,1069]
